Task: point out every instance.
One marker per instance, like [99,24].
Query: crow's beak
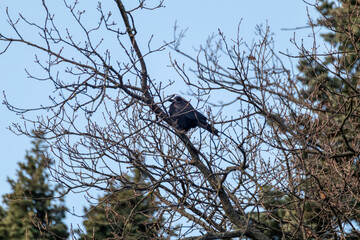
[170,100]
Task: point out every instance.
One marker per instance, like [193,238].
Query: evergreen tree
[32,211]
[333,81]
[2,229]
[126,214]
[331,85]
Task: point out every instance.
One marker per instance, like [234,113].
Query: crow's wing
[185,109]
[187,117]
[198,118]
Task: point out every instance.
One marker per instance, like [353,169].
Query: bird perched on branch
[186,117]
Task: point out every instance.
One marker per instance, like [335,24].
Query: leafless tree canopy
[108,115]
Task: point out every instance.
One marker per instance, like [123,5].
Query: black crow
[186,117]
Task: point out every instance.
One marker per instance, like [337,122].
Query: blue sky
[201,17]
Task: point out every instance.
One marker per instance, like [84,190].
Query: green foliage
[2,229]
[332,83]
[126,214]
[283,214]
[320,205]
[328,76]
[32,211]
[316,208]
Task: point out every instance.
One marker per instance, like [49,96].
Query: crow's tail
[212,129]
